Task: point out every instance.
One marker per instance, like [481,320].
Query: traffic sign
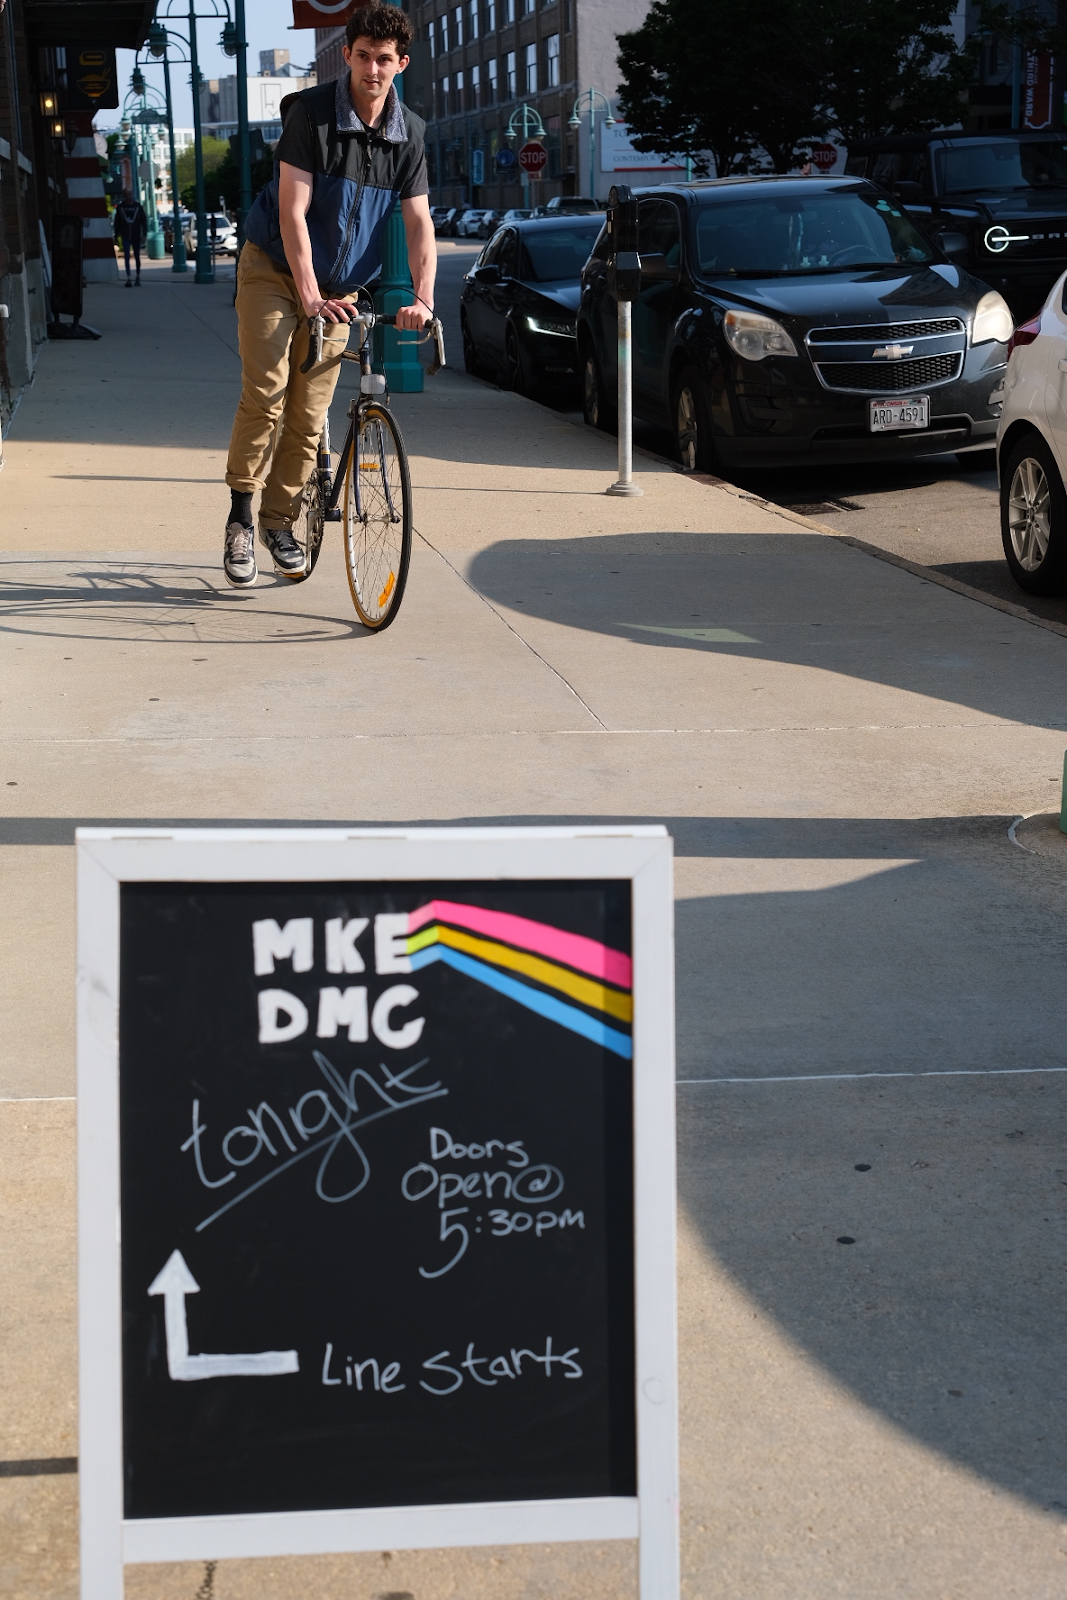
[533,158]
[505,159]
[824,156]
[477,167]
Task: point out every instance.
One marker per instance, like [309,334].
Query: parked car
[444,220]
[1032,450]
[516,214]
[221,232]
[519,299]
[573,205]
[783,321]
[468,223]
[997,201]
[490,222]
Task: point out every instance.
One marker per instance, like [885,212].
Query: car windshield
[773,235]
[1007,164]
[560,252]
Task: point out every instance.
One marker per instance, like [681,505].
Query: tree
[894,66]
[683,86]
[215,152]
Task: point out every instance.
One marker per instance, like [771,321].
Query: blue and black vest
[358,177]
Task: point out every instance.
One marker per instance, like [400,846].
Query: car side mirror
[490,273]
[656,266]
[955,245]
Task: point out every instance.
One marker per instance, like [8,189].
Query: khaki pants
[281,412]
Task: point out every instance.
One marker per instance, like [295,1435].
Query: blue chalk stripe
[546,1005]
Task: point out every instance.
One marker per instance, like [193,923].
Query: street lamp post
[141,142]
[532,126]
[586,104]
[159,46]
[235,44]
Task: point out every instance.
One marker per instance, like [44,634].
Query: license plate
[888,415]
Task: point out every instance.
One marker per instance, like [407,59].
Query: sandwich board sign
[376,1193]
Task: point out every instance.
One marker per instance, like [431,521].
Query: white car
[467,226]
[1032,449]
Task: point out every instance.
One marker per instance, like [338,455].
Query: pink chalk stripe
[573,949]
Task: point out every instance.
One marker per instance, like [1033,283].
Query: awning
[120,24]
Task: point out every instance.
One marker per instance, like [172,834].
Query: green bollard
[396,354]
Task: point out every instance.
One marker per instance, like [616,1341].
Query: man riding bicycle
[348,152]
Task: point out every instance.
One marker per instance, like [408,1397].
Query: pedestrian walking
[350,151]
[131,231]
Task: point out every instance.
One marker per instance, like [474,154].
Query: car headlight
[564,330]
[756,337]
[992,320]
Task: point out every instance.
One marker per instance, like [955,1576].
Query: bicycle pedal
[334,515]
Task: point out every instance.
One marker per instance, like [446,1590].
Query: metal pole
[625,484]
[154,242]
[205,271]
[244,162]
[178,262]
[592,149]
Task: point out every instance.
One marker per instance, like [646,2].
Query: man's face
[374,63]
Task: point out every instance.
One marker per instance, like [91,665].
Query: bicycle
[372,473]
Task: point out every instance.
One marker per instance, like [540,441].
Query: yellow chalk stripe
[585,990]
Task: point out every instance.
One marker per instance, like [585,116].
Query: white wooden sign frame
[108,858]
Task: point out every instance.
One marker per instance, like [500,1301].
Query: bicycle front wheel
[377,518]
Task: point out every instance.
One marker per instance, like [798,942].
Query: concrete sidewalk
[839,749]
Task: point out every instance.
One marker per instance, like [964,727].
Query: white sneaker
[239,555]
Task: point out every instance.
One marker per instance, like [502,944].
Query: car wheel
[1033,518]
[596,409]
[692,422]
[514,371]
[470,350]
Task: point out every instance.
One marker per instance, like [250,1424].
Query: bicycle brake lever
[439,347]
[315,332]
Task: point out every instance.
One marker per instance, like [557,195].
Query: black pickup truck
[997,202]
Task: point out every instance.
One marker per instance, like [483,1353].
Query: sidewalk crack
[511,628]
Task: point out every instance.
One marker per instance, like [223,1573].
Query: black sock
[241,508]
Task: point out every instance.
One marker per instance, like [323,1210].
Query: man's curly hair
[380,22]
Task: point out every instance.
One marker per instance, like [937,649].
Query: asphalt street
[937,511]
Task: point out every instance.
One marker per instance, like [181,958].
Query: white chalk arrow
[174,1283]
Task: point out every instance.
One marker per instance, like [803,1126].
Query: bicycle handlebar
[372,319]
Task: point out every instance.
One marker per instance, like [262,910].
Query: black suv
[996,201]
[784,321]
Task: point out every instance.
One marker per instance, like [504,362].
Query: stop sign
[824,156]
[533,158]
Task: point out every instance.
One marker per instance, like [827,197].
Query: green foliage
[221,184]
[757,84]
[215,152]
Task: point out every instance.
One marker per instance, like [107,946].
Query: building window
[457,18]
[552,61]
[431,34]
[511,82]
[490,16]
[509,10]
[476,88]
[490,83]
[473,13]
[443,20]
[460,93]
[529,7]
[531,69]
[568,16]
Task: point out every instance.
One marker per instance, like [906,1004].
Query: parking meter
[624,266]
[624,278]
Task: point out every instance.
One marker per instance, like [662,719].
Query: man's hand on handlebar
[413,318]
[332,310]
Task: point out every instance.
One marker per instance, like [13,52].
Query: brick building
[50,50]
[474,63]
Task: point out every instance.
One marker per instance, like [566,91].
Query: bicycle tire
[378,542]
[310,524]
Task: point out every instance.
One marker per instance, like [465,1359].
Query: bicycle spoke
[377,518]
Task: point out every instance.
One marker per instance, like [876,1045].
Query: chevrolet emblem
[893,352]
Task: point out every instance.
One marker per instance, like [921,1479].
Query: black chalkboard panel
[317,1165]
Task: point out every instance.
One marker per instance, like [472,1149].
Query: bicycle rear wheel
[311,521]
[377,518]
